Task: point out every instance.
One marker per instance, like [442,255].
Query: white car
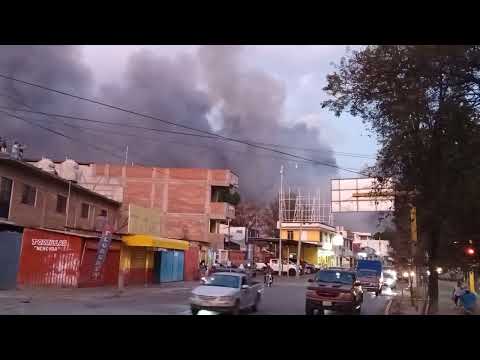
[228,292]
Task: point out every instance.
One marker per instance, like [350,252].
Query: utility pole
[126,156]
[280,220]
[299,249]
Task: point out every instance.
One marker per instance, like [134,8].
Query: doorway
[168,265]
[5,196]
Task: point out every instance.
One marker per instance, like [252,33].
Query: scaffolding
[296,206]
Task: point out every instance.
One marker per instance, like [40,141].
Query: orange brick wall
[181,195]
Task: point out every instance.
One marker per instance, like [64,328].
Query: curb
[389,305]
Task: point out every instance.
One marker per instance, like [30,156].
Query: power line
[95,131]
[148,129]
[362,156]
[60,134]
[175,124]
[24,104]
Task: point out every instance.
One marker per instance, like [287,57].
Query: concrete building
[316,242]
[32,197]
[365,243]
[177,211]
[50,226]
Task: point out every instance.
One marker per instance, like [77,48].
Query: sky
[266,94]
[301,68]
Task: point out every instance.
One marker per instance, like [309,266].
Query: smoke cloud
[211,89]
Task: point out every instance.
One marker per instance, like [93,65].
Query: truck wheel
[308,310]
[356,310]
[194,311]
[292,272]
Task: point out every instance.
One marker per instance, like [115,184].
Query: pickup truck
[291,267]
[226,292]
[332,289]
[370,275]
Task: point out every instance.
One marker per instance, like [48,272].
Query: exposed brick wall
[182,196]
[139,172]
[188,174]
[186,198]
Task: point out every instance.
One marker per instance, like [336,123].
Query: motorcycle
[268,280]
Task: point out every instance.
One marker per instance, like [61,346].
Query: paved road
[286,297]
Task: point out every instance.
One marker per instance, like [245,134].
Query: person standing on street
[458,291]
[3,145]
[15,150]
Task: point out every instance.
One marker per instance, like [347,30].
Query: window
[29,195]
[290,235]
[5,194]
[61,204]
[85,211]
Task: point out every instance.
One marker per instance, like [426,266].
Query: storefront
[51,258]
[149,259]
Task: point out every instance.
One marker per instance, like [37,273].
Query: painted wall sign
[50,245]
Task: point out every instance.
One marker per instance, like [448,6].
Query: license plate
[327,303]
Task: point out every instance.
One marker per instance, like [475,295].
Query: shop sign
[49,245]
[103,246]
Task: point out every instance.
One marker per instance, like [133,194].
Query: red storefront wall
[109,274]
[49,259]
[191,264]
[236,257]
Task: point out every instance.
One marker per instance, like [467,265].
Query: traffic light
[470,251]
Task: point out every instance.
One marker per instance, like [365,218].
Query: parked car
[226,292]
[336,290]
[291,268]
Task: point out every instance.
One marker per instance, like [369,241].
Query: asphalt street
[286,297]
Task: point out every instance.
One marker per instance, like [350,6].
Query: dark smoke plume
[188,89]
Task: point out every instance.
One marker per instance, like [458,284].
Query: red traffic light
[470,251]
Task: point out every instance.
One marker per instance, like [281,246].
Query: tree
[423,103]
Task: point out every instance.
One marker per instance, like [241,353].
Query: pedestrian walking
[458,291]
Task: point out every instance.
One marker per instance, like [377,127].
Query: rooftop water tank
[70,170]
[46,165]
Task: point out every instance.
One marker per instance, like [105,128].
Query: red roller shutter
[49,259]
[109,275]
[192,261]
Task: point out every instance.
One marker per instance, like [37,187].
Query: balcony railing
[221,211]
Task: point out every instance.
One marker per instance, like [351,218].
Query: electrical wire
[60,134]
[362,156]
[225,138]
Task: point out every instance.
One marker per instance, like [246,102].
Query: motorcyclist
[268,277]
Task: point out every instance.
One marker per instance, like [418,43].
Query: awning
[154,241]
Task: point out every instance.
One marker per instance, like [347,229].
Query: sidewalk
[445,303]
[171,298]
